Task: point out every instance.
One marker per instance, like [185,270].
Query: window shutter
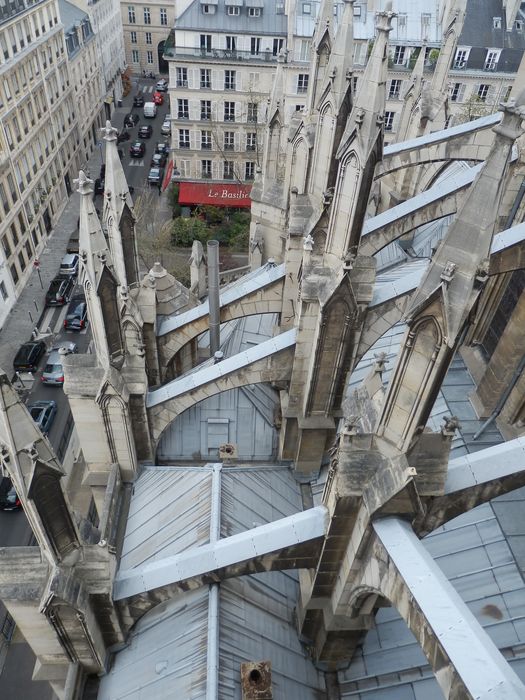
[461,92]
[237,144]
[491,94]
[194,107]
[215,80]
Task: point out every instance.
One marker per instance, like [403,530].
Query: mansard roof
[268,23]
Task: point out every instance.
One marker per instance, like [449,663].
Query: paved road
[29,312]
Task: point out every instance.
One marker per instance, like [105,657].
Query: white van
[150,110]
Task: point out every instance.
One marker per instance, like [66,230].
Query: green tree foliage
[186,230]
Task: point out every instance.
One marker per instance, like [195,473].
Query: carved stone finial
[109,133]
[380,362]
[351,425]
[448,272]
[359,117]
[308,242]
[349,259]
[85,185]
[450,425]
[482,273]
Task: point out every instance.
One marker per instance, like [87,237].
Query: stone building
[378,553]
[50,82]
[146,27]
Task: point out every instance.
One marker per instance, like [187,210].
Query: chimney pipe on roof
[213,296]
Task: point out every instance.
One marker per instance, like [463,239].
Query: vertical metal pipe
[212,662]
[213,296]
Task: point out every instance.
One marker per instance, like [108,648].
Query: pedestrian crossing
[147,88]
[136,163]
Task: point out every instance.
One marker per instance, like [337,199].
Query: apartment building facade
[50,107]
[146,27]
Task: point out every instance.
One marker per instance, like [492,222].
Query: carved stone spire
[117,215]
[408,122]
[97,277]
[322,42]
[340,65]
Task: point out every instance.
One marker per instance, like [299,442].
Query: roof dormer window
[496,22]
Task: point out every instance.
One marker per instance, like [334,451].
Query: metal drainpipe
[213,296]
[516,375]
[212,662]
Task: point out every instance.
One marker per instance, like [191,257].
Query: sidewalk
[29,307]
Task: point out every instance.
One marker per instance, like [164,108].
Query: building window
[229,80]
[255,46]
[228,170]
[461,58]
[205,78]
[389,121]
[206,140]
[279,7]
[149,56]
[496,22]
[184,138]
[205,110]
[231,43]
[307,8]
[518,25]
[148,38]
[254,12]
[229,140]
[425,24]
[182,77]
[233,10]
[306,46]
[205,43]
[147,16]
[278,44]
[131,14]
[183,111]
[206,168]
[252,112]
[6,246]
[135,56]
[229,111]
[3,291]
[163,16]
[483,91]
[399,55]
[394,90]
[133,36]
[249,170]
[14,273]
[251,141]
[492,59]
[302,83]
[457,90]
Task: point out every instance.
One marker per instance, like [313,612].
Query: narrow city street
[17,659]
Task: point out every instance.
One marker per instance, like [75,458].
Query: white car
[162,85]
[166,126]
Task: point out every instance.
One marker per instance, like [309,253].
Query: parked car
[28,356]
[43,413]
[166,127]
[158,160]
[53,373]
[149,110]
[66,345]
[155,176]
[8,496]
[162,85]
[158,98]
[138,101]
[137,149]
[76,317]
[131,120]
[69,265]
[59,292]
[145,131]
[162,147]
[99,186]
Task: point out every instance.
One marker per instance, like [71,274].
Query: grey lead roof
[268,23]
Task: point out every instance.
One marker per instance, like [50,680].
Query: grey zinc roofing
[478,27]
[268,23]
[167,654]
[70,14]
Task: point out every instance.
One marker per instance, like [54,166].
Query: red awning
[218,195]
